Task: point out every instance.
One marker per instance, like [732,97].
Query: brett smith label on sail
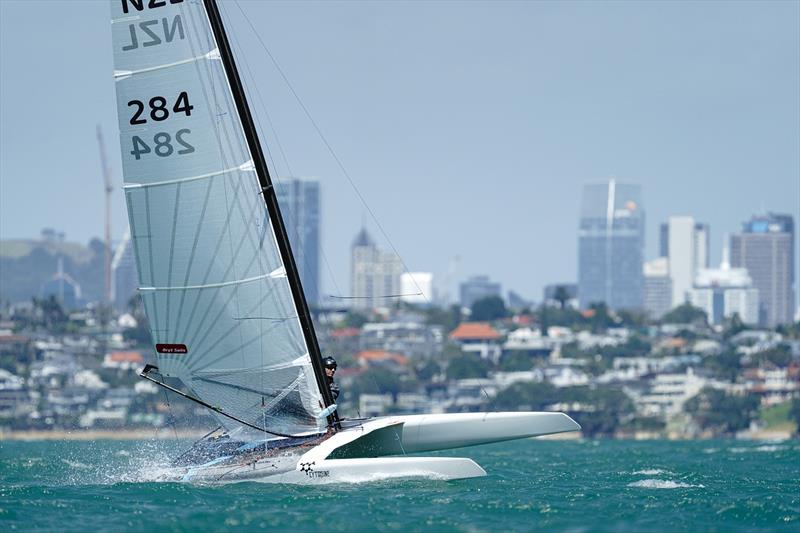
[172,348]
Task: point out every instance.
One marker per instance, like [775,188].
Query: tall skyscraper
[610,245]
[766,249]
[476,288]
[657,287]
[685,243]
[124,276]
[702,236]
[375,274]
[299,200]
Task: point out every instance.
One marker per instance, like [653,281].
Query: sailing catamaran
[219,283]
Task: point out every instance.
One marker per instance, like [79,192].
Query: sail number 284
[158,110]
[163,144]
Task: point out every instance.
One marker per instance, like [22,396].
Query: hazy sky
[469,127]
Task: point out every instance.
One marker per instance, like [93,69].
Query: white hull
[424,433]
[342,471]
[357,454]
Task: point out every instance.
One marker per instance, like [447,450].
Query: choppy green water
[576,486]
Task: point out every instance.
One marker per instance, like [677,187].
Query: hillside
[25,264]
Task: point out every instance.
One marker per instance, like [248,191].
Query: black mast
[271,201]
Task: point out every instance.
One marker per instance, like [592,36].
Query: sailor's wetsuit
[334,388]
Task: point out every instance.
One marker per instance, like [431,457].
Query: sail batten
[247,166]
[213,285]
[205,243]
[121,74]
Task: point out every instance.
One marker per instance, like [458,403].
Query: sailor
[330,368]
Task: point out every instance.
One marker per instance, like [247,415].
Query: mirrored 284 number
[162,144]
[158,108]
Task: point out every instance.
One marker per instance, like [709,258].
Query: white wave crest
[75,464]
[662,484]
[763,448]
[651,472]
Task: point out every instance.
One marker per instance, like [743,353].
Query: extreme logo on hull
[308,468]
[172,348]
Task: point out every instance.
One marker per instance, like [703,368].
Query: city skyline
[303,196]
[611,245]
[439,128]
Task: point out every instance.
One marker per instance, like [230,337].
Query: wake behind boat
[219,283]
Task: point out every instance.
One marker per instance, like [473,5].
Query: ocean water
[559,485]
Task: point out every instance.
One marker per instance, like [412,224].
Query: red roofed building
[345,333]
[123,360]
[467,331]
[394,361]
[479,338]
[344,340]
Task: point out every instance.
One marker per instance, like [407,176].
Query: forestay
[211,275]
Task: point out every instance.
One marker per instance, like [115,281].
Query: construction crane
[108,190]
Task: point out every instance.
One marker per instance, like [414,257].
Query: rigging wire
[248,73]
[283,156]
[376,297]
[339,163]
[328,146]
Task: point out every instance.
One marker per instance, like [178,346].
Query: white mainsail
[211,275]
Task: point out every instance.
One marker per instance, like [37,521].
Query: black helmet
[329,362]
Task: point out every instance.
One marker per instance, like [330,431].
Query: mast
[271,201]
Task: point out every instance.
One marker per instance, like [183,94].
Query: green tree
[632,319]
[601,318]
[381,381]
[427,370]
[722,413]
[468,365]
[527,395]
[685,314]
[354,319]
[54,318]
[605,408]
[561,296]
[599,410]
[794,413]
[726,365]
[448,318]
[733,325]
[516,361]
[779,356]
[489,308]
[791,331]
[544,320]
[567,317]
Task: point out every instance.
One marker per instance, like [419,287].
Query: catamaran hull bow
[424,433]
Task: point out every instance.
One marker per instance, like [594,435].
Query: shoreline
[188,433]
[101,434]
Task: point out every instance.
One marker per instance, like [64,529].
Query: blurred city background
[504,260]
